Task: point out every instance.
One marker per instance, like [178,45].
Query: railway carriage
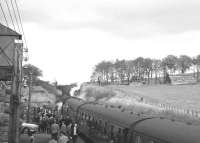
[100,123]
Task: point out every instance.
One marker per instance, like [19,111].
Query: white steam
[59,105]
[74,89]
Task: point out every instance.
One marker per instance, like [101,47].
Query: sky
[67,38]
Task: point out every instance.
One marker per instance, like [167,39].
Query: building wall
[9,42]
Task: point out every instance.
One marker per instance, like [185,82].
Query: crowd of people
[63,133]
[62,129]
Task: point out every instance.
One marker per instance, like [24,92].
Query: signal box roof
[6,31]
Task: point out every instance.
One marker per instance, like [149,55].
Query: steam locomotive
[102,123]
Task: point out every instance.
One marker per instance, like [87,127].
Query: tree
[139,66]
[99,70]
[198,66]
[156,65]
[130,70]
[33,71]
[148,67]
[184,63]
[108,69]
[121,68]
[103,70]
[170,62]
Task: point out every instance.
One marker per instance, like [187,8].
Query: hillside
[43,93]
[168,94]
[174,101]
[49,87]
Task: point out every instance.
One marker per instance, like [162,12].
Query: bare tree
[139,65]
[121,68]
[184,63]
[104,71]
[170,63]
[157,67]
[148,68]
[198,66]
[141,68]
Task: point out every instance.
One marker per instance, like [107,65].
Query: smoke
[94,93]
[74,89]
[59,105]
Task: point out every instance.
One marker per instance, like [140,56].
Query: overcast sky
[67,38]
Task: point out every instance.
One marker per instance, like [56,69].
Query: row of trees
[141,69]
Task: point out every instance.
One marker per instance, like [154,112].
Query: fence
[163,107]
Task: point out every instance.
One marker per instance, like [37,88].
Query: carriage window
[111,130]
[138,139]
[87,117]
[112,127]
[151,141]
[119,131]
[91,118]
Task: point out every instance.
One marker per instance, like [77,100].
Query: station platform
[43,138]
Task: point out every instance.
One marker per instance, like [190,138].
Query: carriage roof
[163,129]
[169,131]
[123,119]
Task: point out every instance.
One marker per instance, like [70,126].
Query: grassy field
[178,96]
[39,94]
[183,96]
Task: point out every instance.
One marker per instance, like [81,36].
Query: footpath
[39,138]
[43,138]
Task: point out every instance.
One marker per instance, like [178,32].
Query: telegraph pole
[15,95]
[29,96]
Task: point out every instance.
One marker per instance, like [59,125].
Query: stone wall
[4,134]
[4,118]
[4,127]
